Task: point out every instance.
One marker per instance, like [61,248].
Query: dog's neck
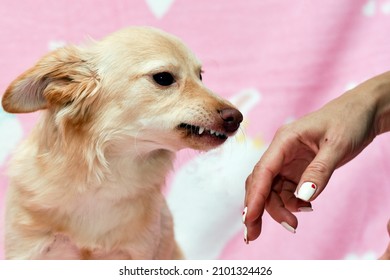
[147,169]
[91,163]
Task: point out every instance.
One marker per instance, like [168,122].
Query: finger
[386,254]
[258,184]
[253,230]
[291,202]
[317,174]
[254,223]
[277,210]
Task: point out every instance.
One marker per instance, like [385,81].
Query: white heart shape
[369,8]
[55,44]
[386,8]
[350,85]
[159,7]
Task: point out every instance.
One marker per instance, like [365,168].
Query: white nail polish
[305,209]
[246,235]
[306,191]
[288,227]
[244,214]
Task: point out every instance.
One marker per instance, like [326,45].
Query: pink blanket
[277,60]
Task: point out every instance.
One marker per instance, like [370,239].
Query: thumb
[317,174]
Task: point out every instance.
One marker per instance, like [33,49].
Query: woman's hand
[386,254]
[304,154]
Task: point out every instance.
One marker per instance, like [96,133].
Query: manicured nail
[244,214]
[305,209]
[246,235]
[288,227]
[306,191]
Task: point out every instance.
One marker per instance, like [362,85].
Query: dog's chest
[104,216]
[99,226]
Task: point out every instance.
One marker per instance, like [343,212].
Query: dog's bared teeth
[199,130]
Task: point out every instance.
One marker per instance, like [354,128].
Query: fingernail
[246,235]
[244,214]
[306,191]
[288,227]
[305,209]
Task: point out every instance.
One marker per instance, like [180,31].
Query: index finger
[259,183]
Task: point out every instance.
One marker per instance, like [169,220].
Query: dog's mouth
[212,132]
[202,132]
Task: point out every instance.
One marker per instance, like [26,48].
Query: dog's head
[138,84]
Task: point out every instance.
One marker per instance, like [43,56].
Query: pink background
[296,54]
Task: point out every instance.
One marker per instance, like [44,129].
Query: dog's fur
[86,183]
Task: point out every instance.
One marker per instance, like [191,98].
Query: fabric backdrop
[277,60]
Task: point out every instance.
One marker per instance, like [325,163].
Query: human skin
[310,149]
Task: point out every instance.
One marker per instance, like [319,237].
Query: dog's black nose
[231,119]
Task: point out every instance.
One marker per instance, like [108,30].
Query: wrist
[381,93]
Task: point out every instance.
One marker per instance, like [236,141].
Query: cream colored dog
[86,183]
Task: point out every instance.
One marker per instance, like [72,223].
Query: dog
[87,182]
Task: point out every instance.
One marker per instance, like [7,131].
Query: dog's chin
[201,138]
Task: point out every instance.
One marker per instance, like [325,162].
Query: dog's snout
[231,119]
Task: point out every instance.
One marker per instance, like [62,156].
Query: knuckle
[318,167]
[283,130]
[264,170]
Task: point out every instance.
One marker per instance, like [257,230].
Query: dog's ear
[58,79]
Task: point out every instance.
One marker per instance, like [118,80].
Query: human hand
[304,154]
[386,254]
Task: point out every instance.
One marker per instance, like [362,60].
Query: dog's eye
[164,78]
[200,76]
